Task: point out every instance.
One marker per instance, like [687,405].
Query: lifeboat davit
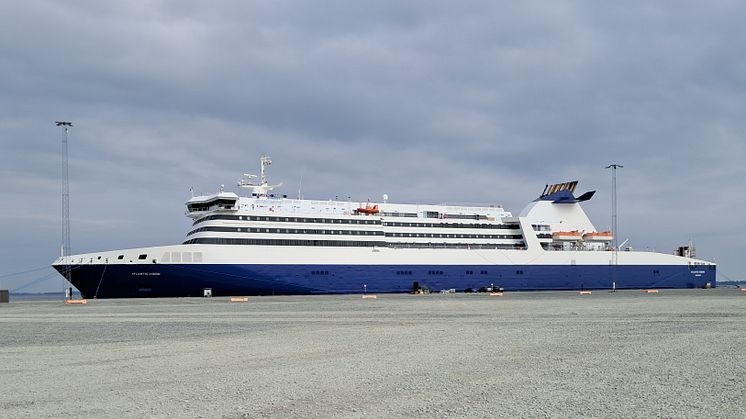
[566,235]
[368,210]
[604,236]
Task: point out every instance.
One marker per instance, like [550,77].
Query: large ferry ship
[265,243]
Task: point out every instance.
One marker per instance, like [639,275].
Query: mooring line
[99,281]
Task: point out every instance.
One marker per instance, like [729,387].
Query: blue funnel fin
[563,193]
[586,196]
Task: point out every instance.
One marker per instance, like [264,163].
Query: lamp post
[614,232]
[613,168]
[66,125]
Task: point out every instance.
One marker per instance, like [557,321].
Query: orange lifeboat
[566,235]
[598,236]
[368,210]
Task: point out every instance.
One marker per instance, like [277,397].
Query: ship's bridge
[199,205]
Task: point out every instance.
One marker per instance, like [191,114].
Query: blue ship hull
[189,280]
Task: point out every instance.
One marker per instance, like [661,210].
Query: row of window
[182,257]
[435,214]
[399,214]
[352,233]
[366,221]
[349,243]
[480,272]
[440,273]
[287,231]
[274,242]
[431,273]
[288,219]
[120,257]
[507,226]
[465,216]
[204,206]
[457,236]
[467,272]
[408,245]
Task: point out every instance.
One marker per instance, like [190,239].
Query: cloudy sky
[427,101]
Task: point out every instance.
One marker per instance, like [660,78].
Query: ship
[264,243]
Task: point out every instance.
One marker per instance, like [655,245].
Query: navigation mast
[263,187]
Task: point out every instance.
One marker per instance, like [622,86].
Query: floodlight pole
[66,125]
[614,227]
[613,168]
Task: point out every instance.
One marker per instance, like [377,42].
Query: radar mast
[263,187]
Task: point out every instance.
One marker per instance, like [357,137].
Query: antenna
[261,189]
[265,161]
[66,125]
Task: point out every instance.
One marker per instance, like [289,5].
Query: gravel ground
[625,354]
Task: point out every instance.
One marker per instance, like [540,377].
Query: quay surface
[677,353]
